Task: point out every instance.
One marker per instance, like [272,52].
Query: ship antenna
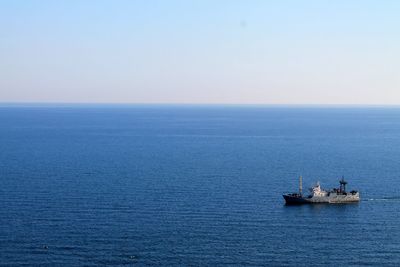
[301,185]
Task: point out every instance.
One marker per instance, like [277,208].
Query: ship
[318,195]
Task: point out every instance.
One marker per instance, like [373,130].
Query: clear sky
[242,52]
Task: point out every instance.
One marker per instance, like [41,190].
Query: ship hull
[332,199]
[295,200]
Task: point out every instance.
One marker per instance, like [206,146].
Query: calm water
[196,186]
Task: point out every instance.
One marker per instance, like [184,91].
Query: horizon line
[49,104]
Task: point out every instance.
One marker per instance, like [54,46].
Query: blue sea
[170,185]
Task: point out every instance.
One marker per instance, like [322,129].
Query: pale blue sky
[262,52]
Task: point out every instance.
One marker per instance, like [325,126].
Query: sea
[196,185]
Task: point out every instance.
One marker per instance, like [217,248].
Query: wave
[395,198]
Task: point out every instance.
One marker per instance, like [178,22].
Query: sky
[200,51]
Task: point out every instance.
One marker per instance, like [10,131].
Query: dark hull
[295,200]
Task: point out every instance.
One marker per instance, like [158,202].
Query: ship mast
[342,185]
[301,185]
